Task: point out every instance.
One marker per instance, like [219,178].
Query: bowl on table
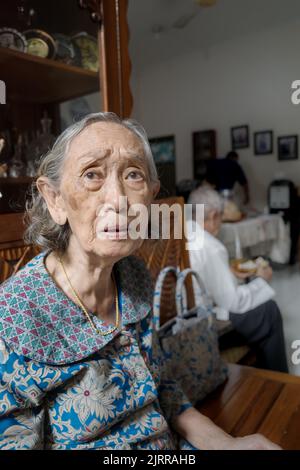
[248,266]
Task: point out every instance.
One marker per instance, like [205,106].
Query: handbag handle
[181,306]
[158,291]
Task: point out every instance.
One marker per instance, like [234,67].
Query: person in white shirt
[255,316]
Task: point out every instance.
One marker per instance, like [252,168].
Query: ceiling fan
[182,21]
[185,19]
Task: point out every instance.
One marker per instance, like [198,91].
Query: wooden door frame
[115,65]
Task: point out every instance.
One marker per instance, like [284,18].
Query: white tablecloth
[265,235]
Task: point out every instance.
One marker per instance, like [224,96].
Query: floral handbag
[189,341]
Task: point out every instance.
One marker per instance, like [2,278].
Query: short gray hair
[41,228]
[208,197]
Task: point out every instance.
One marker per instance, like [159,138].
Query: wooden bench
[257,401]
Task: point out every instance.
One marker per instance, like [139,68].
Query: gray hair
[41,228]
[208,197]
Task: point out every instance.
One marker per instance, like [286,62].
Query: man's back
[223,173]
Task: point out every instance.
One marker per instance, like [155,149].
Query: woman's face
[104,175]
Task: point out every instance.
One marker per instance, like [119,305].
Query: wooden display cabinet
[35,85]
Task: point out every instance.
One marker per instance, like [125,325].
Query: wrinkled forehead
[105,139]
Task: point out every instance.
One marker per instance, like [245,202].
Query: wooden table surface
[257,401]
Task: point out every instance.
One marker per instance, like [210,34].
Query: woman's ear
[155,188]
[53,200]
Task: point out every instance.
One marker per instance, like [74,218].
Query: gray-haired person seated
[255,316]
[80,363]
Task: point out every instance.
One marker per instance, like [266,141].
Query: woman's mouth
[116,228]
[114,232]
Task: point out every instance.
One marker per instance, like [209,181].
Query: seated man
[254,315]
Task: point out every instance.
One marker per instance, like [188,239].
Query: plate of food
[249,266]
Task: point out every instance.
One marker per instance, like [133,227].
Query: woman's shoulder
[24,281]
[25,278]
[19,295]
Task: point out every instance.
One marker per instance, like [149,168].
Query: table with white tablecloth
[263,235]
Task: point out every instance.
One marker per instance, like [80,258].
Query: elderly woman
[80,364]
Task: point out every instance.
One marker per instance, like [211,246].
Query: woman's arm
[21,417]
[222,285]
[203,434]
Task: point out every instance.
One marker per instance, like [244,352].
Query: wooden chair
[13,251]
[251,400]
[158,254]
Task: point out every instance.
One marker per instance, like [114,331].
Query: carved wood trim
[115,65]
[94,8]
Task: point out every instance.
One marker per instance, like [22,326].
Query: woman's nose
[114,193]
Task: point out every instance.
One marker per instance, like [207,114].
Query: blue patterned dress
[63,386]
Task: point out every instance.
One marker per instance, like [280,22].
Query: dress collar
[39,321]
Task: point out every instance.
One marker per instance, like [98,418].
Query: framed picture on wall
[239,137]
[263,143]
[288,147]
[163,149]
[204,148]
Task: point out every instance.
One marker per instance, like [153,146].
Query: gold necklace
[85,310]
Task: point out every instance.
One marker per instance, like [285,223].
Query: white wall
[246,81]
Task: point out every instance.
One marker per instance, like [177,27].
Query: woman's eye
[91,175]
[93,179]
[136,175]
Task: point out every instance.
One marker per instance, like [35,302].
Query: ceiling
[228,19]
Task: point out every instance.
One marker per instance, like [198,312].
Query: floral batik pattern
[62,386]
